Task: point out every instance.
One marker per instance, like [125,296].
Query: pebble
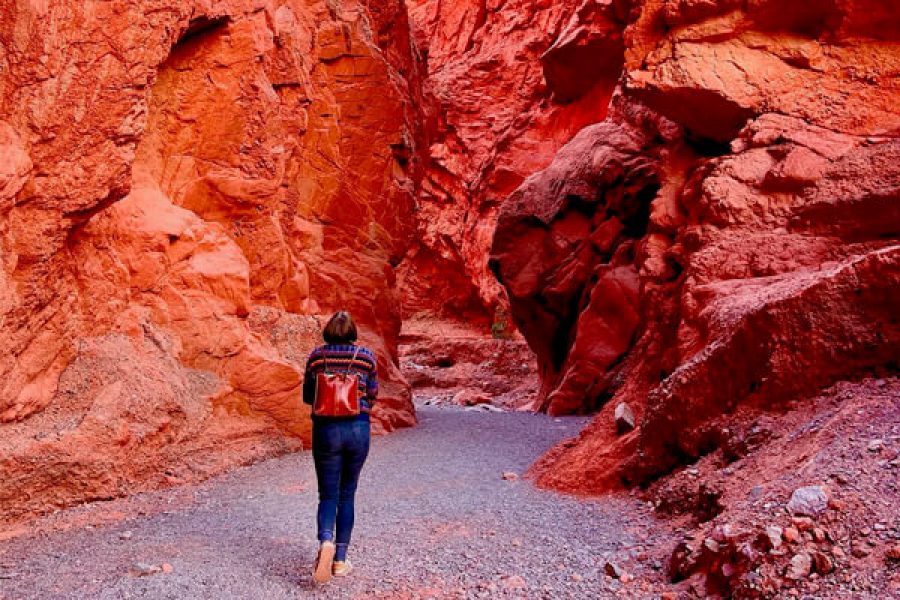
[624,418]
[800,567]
[126,535]
[791,535]
[876,445]
[513,582]
[893,553]
[808,501]
[613,570]
[142,569]
[824,565]
[510,476]
[838,505]
[773,536]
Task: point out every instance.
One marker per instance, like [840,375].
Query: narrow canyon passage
[681,217]
[436,519]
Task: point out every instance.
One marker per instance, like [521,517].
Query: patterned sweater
[339,361]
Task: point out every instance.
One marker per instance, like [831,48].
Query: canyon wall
[186,191]
[727,236]
[507,84]
[690,206]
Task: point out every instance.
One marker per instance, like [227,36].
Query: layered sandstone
[185,189]
[726,237]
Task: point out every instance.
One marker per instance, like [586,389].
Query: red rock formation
[185,191]
[727,236]
[509,84]
[183,188]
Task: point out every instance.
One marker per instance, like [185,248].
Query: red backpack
[337,394]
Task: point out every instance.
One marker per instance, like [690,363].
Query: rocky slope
[726,237]
[184,188]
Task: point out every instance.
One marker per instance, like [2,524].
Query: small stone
[773,537]
[791,535]
[513,582]
[624,418]
[668,596]
[859,550]
[824,565]
[802,523]
[876,445]
[577,577]
[510,476]
[126,535]
[893,553]
[808,501]
[819,534]
[838,505]
[800,567]
[613,570]
[142,569]
[167,568]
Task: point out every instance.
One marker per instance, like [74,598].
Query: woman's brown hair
[340,329]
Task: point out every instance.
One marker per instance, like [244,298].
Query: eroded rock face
[184,190]
[507,84]
[726,236]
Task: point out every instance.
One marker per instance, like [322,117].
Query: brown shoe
[324,562]
[341,568]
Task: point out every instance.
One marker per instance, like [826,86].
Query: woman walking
[341,385]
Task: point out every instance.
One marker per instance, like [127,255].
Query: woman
[340,444]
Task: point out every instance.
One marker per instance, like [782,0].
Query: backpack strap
[353,360]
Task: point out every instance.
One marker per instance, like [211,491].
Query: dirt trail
[435,520]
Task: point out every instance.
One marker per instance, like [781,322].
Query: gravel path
[435,520]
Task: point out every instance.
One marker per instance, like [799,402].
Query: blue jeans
[339,450]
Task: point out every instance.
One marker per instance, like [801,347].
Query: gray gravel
[435,519]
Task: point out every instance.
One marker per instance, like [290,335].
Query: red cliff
[184,190]
[726,237]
